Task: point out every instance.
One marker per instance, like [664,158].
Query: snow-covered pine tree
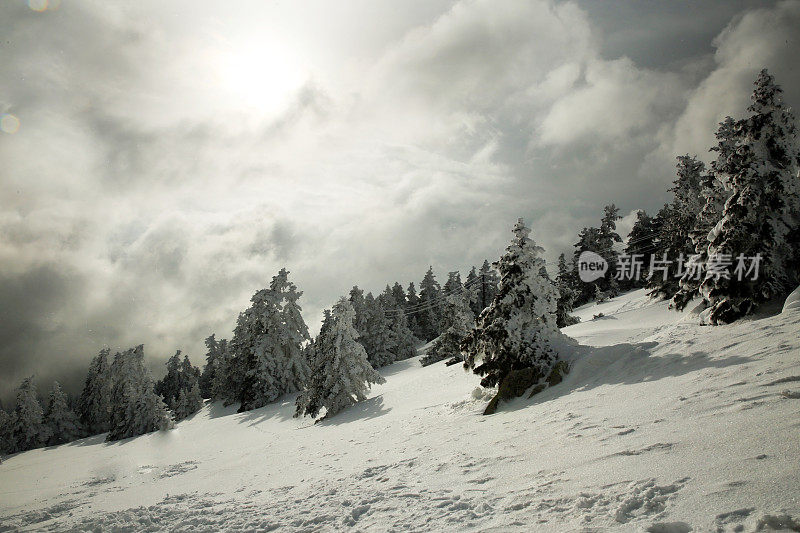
[607,240]
[399,296]
[429,315]
[294,366]
[377,337]
[453,283]
[676,221]
[762,215]
[641,242]
[588,241]
[169,387]
[342,375]
[189,402]
[713,194]
[135,407]
[566,294]
[94,404]
[28,430]
[487,287]
[458,321]
[210,369]
[517,328]
[412,311]
[5,431]
[267,342]
[220,380]
[473,287]
[360,307]
[402,340]
[61,420]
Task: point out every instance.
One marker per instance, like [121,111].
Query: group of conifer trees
[730,235]
[119,397]
[505,317]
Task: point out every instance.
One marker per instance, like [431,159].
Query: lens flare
[38,5]
[9,123]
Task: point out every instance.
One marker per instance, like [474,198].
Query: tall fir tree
[762,216]
[376,337]
[516,330]
[676,222]
[429,315]
[640,243]
[473,287]
[453,284]
[341,375]
[210,369]
[5,432]
[401,339]
[399,296]
[487,289]
[566,294]
[267,344]
[713,195]
[220,380]
[94,404]
[412,306]
[169,387]
[135,407]
[457,321]
[608,238]
[62,422]
[28,430]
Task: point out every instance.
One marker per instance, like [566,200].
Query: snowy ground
[663,426]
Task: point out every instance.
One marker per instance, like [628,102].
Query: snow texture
[662,425]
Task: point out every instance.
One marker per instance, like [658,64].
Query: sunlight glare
[262,76]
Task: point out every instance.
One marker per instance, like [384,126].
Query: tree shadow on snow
[281,409]
[363,410]
[623,364]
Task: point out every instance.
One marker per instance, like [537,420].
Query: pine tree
[473,288]
[412,311]
[429,315]
[94,405]
[676,222]
[135,407]
[458,321]
[5,431]
[220,382]
[268,343]
[641,242]
[169,387]
[762,215]
[399,296]
[210,369]
[588,241]
[61,420]
[453,283]
[189,402]
[516,330]
[713,194]
[341,375]
[360,307]
[401,339]
[376,337]
[488,286]
[607,240]
[566,295]
[28,430]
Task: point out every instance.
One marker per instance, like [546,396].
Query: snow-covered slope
[663,426]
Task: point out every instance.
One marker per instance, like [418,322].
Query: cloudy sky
[160,161]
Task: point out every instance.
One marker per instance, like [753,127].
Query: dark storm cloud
[145,197]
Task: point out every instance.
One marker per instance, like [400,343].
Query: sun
[262,76]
